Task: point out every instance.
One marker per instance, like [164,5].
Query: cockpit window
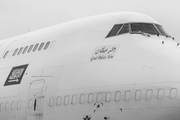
[115,30]
[161,30]
[125,29]
[144,27]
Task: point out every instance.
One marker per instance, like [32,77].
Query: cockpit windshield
[160,28]
[144,27]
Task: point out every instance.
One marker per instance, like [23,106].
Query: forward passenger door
[34,107]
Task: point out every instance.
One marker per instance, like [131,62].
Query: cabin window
[127,96]
[161,93]
[53,44]
[115,30]
[30,48]
[30,104]
[35,47]
[138,95]
[13,106]
[125,29]
[15,52]
[99,97]
[149,94]
[11,52]
[173,93]
[5,54]
[108,96]
[7,106]
[47,45]
[18,105]
[74,99]
[117,96]
[82,99]
[41,46]
[51,102]
[20,50]
[90,98]
[25,49]
[1,107]
[66,100]
[59,100]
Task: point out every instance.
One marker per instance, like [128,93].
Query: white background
[20,16]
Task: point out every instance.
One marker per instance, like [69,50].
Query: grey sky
[17,16]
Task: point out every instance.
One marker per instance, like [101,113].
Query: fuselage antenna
[28,29]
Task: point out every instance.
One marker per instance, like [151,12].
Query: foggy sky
[21,16]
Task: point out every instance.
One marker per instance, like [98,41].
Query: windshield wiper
[142,33]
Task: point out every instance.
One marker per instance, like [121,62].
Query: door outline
[35,100]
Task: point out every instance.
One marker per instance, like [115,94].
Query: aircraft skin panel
[74,71]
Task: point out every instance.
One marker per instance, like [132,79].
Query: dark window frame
[15,52]
[114,31]
[41,46]
[20,51]
[124,25]
[47,45]
[5,55]
[145,27]
[30,48]
[35,47]
[25,50]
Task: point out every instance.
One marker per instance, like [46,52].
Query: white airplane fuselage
[74,71]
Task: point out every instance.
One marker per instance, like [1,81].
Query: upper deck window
[144,27]
[5,54]
[30,48]
[15,52]
[20,50]
[47,45]
[25,49]
[41,46]
[35,47]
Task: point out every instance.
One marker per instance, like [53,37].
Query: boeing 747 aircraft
[118,66]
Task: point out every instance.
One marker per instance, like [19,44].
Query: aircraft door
[35,100]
